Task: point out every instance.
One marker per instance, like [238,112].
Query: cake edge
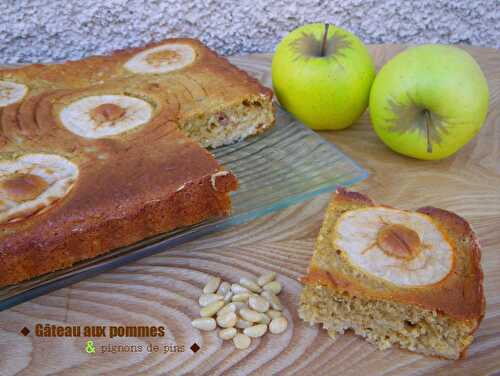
[185,207]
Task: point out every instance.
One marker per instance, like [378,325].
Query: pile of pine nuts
[242,311]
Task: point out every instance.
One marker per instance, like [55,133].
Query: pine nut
[273,300]
[238,289]
[240,311]
[242,297]
[228,320]
[278,325]
[206,299]
[250,284]
[227,333]
[266,294]
[272,313]
[204,323]
[232,307]
[226,309]
[241,341]
[264,279]
[224,287]
[258,303]
[211,309]
[242,324]
[255,331]
[276,303]
[228,296]
[249,315]
[264,319]
[239,305]
[273,286]
[212,285]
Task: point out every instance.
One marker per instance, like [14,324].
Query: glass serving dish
[281,167]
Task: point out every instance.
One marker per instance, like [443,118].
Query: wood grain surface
[163,289]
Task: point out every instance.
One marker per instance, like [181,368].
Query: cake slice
[395,277]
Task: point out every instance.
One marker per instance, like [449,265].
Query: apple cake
[395,277]
[101,153]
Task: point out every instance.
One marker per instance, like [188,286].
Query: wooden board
[163,290]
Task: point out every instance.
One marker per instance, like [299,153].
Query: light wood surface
[163,289]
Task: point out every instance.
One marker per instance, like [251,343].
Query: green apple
[322,74]
[429,101]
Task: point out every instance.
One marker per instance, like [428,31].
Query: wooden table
[163,289]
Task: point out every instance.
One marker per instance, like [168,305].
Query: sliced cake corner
[395,277]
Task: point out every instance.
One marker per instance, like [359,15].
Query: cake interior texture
[231,123]
[386,323]
[437,319]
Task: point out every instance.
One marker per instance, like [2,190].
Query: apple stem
[427,117]
[323,44]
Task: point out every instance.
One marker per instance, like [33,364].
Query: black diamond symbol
[25,331]
[195,347]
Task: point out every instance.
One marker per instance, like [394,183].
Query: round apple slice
[162,59]
[401,247]
[32,183]
[11,92]
[105,115]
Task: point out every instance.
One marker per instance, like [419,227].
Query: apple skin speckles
[323,76]
[429,101]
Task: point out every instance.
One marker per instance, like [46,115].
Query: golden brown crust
[472,288]
[130,186]
[209,81]
[459,295]
[344,196]
[26,256]
[104,211]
